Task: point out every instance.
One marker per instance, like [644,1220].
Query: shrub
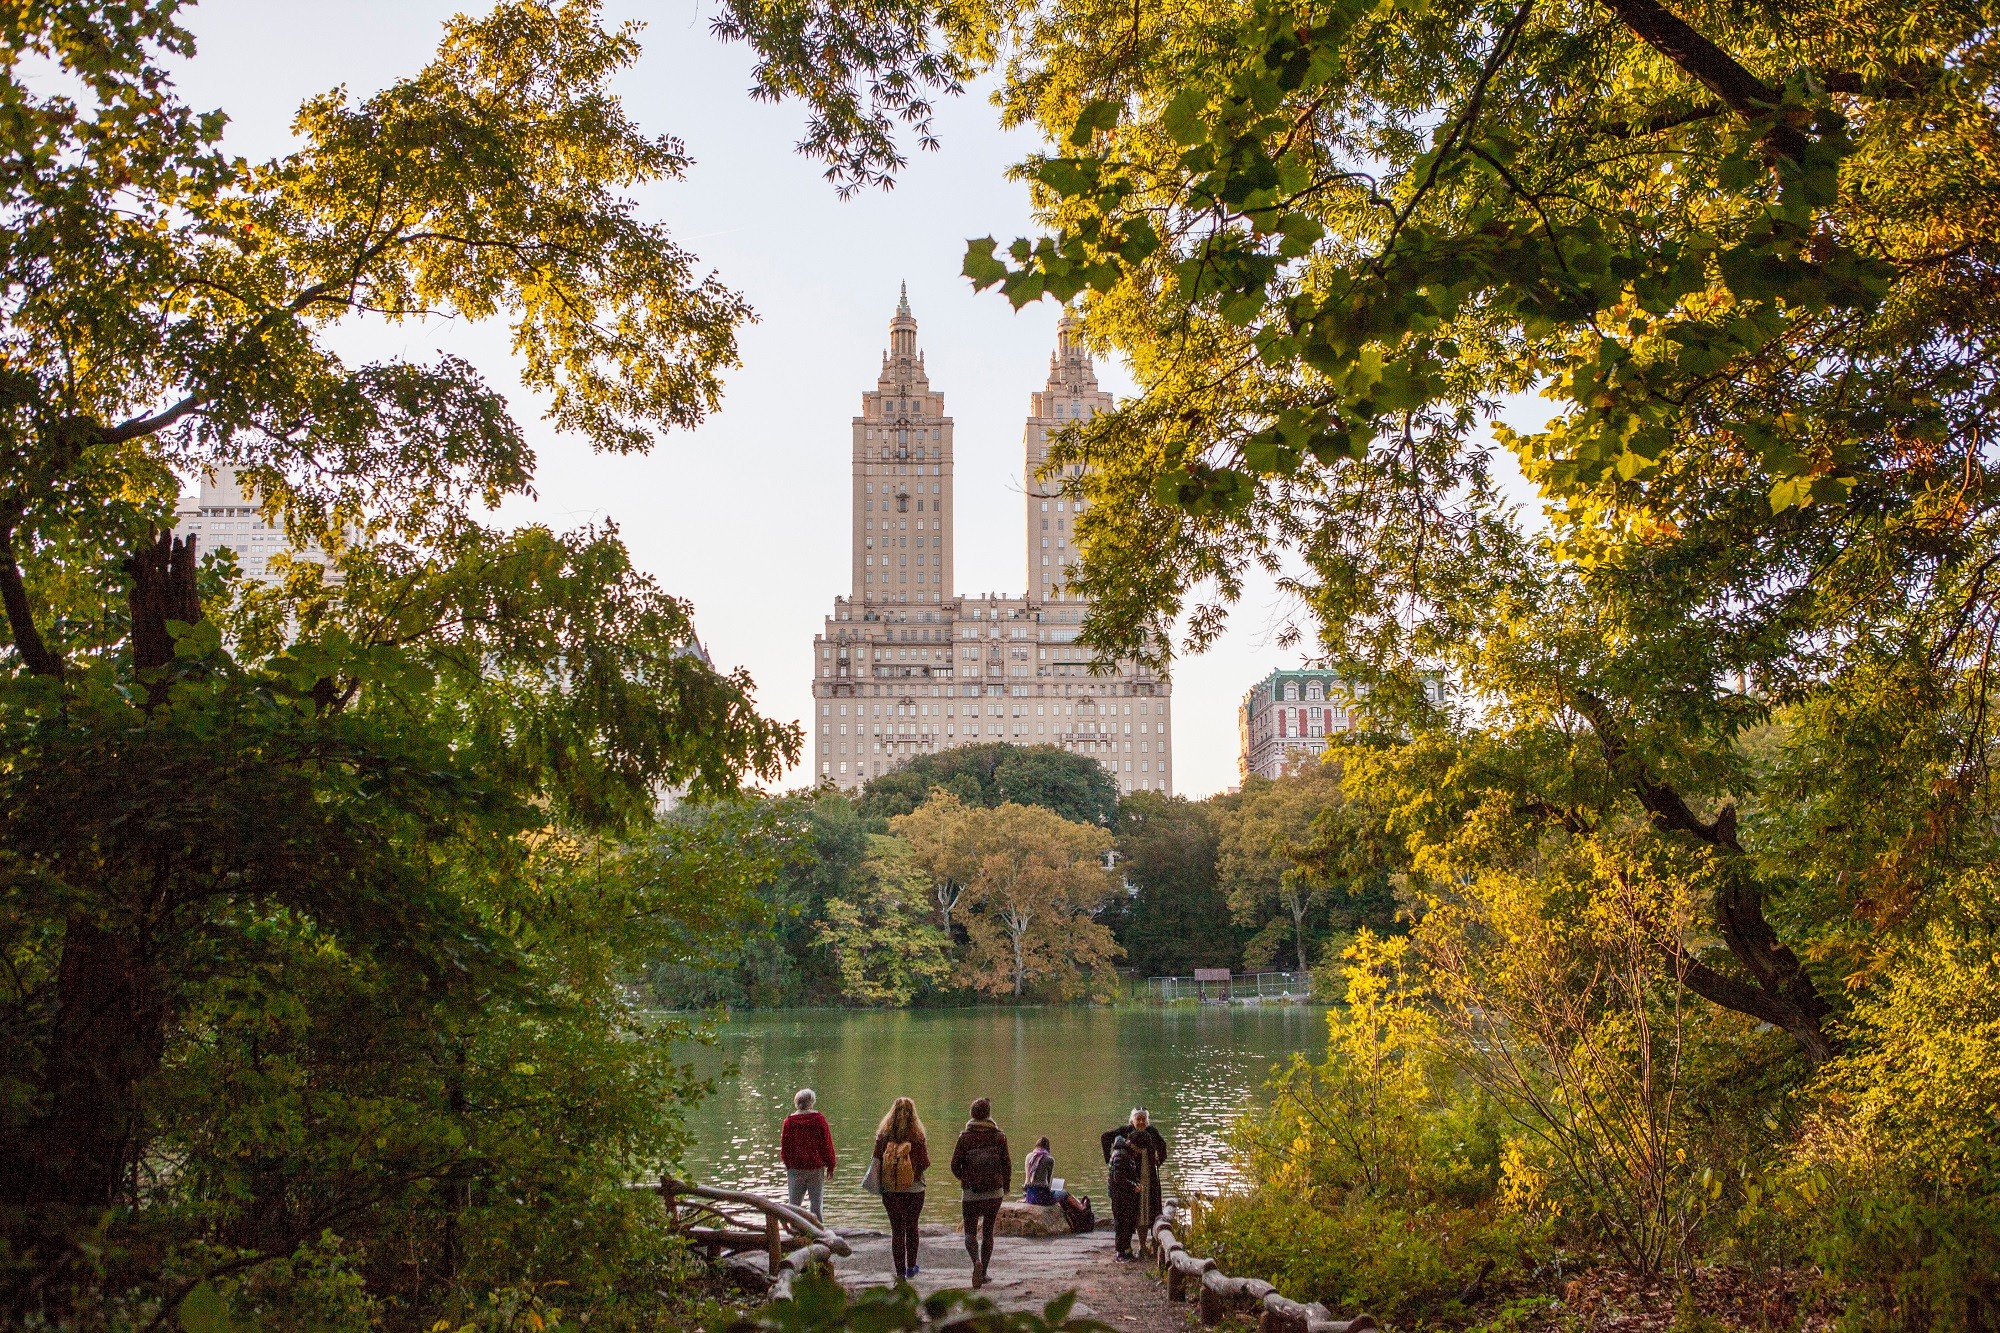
[1405,1264]
[1896,1190]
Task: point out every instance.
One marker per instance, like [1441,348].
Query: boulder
[1030,1219]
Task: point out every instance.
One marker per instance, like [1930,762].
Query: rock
[1030,1219]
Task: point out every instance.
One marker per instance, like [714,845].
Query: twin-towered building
[906,665]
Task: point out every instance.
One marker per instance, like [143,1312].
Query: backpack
[1124,1162]
[985,1167]
[1077,1211]
[899,1171]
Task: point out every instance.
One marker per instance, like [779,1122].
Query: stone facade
[1289,715]
[906,665]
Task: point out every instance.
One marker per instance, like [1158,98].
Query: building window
[1291,690]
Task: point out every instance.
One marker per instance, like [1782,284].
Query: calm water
[1067,1073]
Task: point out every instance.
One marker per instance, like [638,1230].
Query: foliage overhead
[318,893]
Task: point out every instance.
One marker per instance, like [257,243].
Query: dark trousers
[1124,1214]
[904,1209]
[980,1215]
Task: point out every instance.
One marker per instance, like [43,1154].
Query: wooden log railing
[724,1222]
[1218,1294]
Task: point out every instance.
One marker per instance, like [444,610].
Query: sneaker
[914,1270]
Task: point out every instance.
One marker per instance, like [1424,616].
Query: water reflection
[1067,1073]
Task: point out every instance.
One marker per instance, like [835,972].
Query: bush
[1896,1190]
[1405,1264]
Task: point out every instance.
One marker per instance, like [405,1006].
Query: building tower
[1070,395]
[902,480]
[906,667]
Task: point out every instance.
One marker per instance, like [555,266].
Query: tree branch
[1780,991]
[1710,66]
[28,640]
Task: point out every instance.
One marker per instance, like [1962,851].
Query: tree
[776,953]
[1265,863]
[1180,919]
[1072,785]
[1038,879]
[938,834]
[1745,261]
[1741,261]
[302,883]
[879,934]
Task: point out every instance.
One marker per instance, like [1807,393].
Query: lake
[1069,1073]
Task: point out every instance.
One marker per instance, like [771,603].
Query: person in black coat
[1133,1154]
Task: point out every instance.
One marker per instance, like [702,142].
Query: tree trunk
[1776,987]
[107,1029]
[106,1036]
[163,590]
[28,641]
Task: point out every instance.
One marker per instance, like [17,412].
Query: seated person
[1040,1167]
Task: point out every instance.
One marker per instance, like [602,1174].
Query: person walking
[985,1172]
[1133,1154]
[901,1157]
[805,1146]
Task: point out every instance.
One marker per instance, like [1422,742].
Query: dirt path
[1027,1274]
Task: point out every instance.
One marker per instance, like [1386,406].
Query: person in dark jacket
[805,1146]
[904,1203]
[985,1171]
[1133,1154]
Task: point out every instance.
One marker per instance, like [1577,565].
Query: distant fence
[1220,988]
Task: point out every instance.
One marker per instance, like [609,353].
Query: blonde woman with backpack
[901,1158]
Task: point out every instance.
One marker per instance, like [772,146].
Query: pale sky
[747,516]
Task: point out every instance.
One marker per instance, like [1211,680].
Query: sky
[822,275]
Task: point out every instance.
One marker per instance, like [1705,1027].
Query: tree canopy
[1179,919]
[318,893]
[1072,785]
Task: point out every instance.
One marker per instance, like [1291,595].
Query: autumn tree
[1037,880]
[942,849]
[309,887]
[1739,260]
[1264,861]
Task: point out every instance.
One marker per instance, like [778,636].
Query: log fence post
[1218,1294]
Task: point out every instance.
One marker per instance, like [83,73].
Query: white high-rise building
[221,515]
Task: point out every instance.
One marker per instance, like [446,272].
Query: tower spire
[903,329]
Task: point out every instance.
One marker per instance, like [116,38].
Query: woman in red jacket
[806,1148]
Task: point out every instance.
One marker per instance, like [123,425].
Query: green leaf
[1788,492]
[1100,115]
[205,1310]
[1067,176]
[980,265]
[1182,118]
